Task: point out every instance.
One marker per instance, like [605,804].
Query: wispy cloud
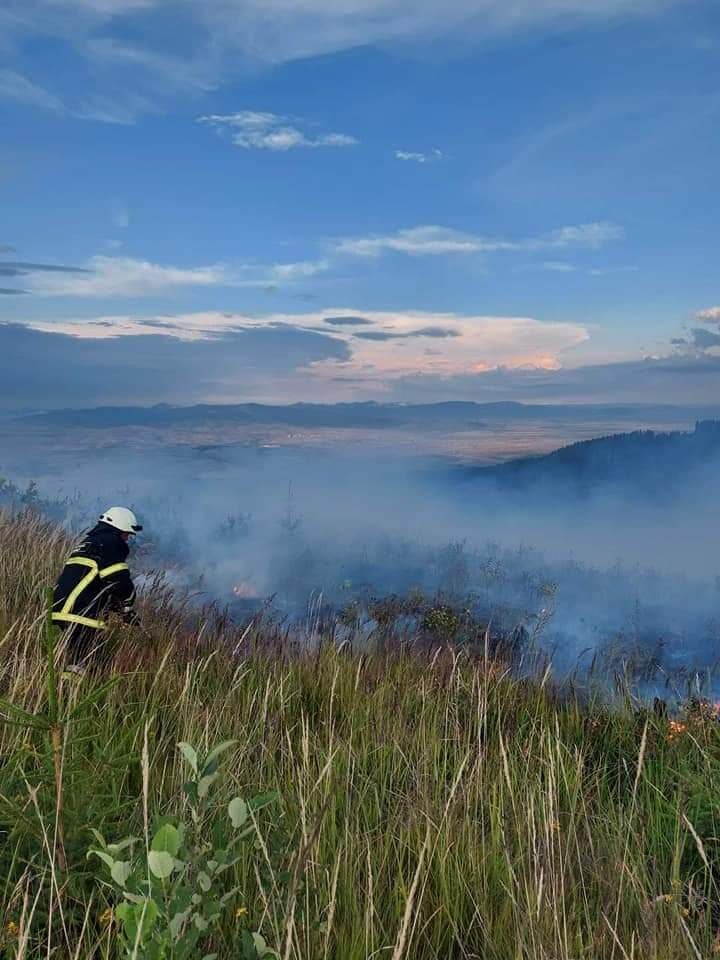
[562,266]
[414,157]
[229,35]
[253,130]
[299,270]
[592,235]
[436,240]
[117,107]
[558,266]
[284,30]
[105,276]
[428,240]
[710,315]
[127,277]
[179,73]
[16,86]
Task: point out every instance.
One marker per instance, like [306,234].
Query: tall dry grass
[432,806]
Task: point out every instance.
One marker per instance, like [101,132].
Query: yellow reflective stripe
[85,582]
[115,568]
[82,562]
[83,621]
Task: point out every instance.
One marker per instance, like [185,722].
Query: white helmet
[122,519]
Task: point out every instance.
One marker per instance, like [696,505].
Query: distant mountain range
[643,461]
[452,414]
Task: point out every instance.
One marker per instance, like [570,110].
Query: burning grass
[430,804]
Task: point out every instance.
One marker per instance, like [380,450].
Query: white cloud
[118,108]
[180,73]
[419,157]
[15,86]
[255,130]
[431,240]
[281,30]
[434,240]
[385,344]
[128,277]
[227,36]
[593,235]
[297,271]
[558,266]
[710,315]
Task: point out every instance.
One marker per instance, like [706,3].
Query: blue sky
[388,199]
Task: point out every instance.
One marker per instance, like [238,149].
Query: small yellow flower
[241,912]
[668,898]
[106,916]
[685,912]
[11,928]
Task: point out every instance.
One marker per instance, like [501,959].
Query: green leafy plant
[54,721]
[174,887]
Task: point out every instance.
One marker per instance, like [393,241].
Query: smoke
[596,557]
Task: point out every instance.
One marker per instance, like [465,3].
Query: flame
[677,729]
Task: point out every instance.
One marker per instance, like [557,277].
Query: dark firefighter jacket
[95,581]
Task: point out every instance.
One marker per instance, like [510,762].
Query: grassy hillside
[429,806]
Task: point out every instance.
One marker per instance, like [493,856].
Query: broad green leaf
[176,923]
[126,915]
[180,903]
[238,811]
[210,956]
[210,764]
[120,871]
[133,897]
[200,922]
[115,848]
[204,784]
[227,897]
[261,946]
[213,909]
[161,863]
[190,755]
[167,838]
[261,800]
[98,836]
[147,914]
[105,857]
[139,919]
[204,881]
[154,951]
[191,791]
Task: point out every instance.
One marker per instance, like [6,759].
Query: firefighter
[95,582]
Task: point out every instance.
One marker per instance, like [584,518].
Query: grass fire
[421,800]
